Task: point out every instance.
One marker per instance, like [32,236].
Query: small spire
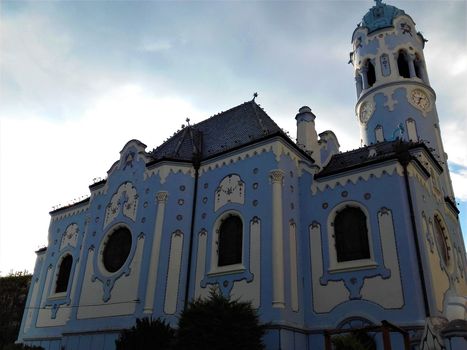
[378,2]
[255,95]
[188,121]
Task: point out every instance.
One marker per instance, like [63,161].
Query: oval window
[116,249]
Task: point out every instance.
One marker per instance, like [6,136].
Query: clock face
[420,99]
[366,110]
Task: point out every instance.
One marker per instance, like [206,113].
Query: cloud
[46,163]
[459,182]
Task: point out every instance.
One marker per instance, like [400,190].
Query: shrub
[218,323]
[354,341]
[146,334]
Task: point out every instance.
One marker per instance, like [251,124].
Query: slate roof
[381,16]
[369,155]
[236,127]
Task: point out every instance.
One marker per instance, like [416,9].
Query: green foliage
[13,293]
[218,323]
[21,347]
[146,334]
[354,341]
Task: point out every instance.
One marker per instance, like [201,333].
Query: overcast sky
[78,79]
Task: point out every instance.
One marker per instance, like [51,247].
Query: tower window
[403,64]
[418,64]
[379,135]
[411,130]
[351,235]
[371,74]
[230,241]
[63,276]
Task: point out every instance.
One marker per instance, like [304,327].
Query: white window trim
[334,265]
[227,269]
[60,295]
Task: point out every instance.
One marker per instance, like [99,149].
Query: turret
[394,96]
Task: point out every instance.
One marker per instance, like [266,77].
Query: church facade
[316,239]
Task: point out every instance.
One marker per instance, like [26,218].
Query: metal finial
[255,95]
[188,121]
[378,2]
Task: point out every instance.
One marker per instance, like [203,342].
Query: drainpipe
[196,165]
[404,159]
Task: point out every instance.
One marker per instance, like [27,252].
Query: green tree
[146,334]
[13,293]
[218,323]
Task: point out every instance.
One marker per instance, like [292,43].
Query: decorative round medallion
[366,111]
[420,99]
[325,205]
[182,188]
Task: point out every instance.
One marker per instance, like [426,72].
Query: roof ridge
[220,113]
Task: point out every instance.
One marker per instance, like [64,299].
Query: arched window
[64,274]
[442,241]
[418,64]
[379,135]
[117,249]
[230,241]
[411,130]
[371,74]
[403,64]
[351,235]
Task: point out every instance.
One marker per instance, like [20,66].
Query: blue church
[320,241]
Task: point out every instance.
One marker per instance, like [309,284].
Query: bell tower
[394,97]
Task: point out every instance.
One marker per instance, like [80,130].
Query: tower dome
[380,16]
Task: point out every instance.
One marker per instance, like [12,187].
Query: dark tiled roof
[228,130]
[368,155]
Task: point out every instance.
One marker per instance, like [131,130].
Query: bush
[354,341]
[218,323]
[146,334]
[13,293]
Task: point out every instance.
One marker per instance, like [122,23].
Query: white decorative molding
[393,297]
[341,180]
[278,293]
[201,265]
[325,298]
[69,212]
[124,296]
[293,266]
[32,304]
[230,190]
[70,236]
[173,274]
[276,145]
[125,200]
[251,291]
[165,169]
[161,198]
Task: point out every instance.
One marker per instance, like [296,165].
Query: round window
[116,249]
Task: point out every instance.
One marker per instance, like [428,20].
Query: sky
[78,79]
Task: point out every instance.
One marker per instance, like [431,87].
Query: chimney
[307,138]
